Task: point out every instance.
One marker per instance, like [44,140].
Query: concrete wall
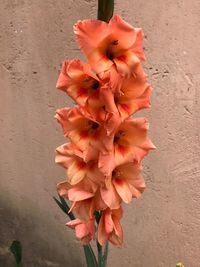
[162,227]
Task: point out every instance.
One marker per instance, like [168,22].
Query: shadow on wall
[45,242]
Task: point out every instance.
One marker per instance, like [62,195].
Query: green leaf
[64,207]
[105,10]
[90,257]
[16,249]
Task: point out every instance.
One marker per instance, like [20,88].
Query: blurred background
[163,226]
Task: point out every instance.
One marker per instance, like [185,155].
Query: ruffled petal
[122,31]
[89,34]
[63,189]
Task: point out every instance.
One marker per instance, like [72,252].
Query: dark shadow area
[45,242]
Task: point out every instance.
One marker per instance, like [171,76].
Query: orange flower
[134,95]
[106,44]
[84,231]
[82,131]
[103,158]
[78,81]
[85,198]
[124,184]
[130,143]
[70,158]
[110,227]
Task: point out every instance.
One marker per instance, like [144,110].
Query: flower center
[115,174]
[110,52]
[89,82]
[118,136]
[95,85]
[93,125]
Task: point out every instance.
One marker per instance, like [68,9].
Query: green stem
[105,255]
[100,254]
[90,257]
[105,10]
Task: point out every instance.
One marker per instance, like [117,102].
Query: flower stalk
[106,145]
[105,10]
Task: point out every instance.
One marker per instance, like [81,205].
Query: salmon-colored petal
[61,115]
[111,122]
[81,231]
[110,197]
[75,69]
[108,99]
[135,94]
[64,80]
[117,213]
[122,31]
[95,175]
[90,153]
[127,63]
[84,230]
[77,194]
[137,45]
[115,240]
[137,186]
[78,93]
[110,159]
[109,226]
[102,235]
[99,61]
[84,209]
[106,163]
[122,154]
[76,173]
[73,223]
[63,189]
[123,190]
[117,237]
[99,204]
[69,149]
[112,79]
[89,33]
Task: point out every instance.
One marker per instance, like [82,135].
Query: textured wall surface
[163,226]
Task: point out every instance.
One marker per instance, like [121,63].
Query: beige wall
[162,227]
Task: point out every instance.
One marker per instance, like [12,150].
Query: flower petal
[89,34]
[123,190]
[110,197]
[102,235]
[78,194]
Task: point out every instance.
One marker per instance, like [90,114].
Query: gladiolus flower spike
[105,144]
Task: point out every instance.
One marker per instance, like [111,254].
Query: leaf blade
[16,249]
[64,207]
